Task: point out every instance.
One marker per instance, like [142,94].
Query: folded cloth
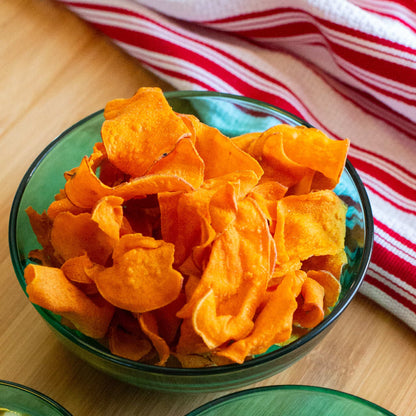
[346,67]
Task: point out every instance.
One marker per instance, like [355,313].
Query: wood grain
[55,70]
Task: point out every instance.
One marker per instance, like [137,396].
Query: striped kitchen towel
[348,67]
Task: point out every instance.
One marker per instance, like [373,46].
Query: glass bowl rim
[172,371]
[33,392]
[283,387]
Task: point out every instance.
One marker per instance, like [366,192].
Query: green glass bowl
[290,401]
[20,400]
[233,115]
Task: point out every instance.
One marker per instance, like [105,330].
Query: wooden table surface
[54,70]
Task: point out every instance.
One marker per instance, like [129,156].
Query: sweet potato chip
[242,258]
[221,155]
[75,269]
[142,278]
[84,189]
[42,225]
[191,220]
[149,326]
[49,288]
[168,323]
[331,263]
[74,235]
[282,256]
[189,341]
[108,214]
[310,147]
[314,224]
[192,123]
[125,337]
[266,194]
[139,130]
[244,140]
[243,181]
[127,345]
[273,324]
[268,148]
[62,204]
[183,162]
[310,311]
[330,284]
[183,224]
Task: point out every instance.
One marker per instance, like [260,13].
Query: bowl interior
[290,401]
[233,116]
[24,401]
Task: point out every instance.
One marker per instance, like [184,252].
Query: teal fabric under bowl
[232,115]
[290,401]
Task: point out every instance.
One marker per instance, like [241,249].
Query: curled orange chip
[220,155]
[270,190]
[311,308]
[183,162]
[244,140]
[84,189]
[189,341]
[312,148]
[184,221]
[314,224]
[128,345]
[232,285]
[149,326]
[49,288]
[222,207]
[139,130]
[273,324]
[191,220]
[125,337]
[266,194]
[243,181]
[141,279]
[268,148]
[168,323]
[62,204]
[331,263]
[75,269]
[41,225]
[108,214]
[191,123]
[74,235]
[330,284]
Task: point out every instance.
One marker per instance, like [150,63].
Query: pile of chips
[176,245]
